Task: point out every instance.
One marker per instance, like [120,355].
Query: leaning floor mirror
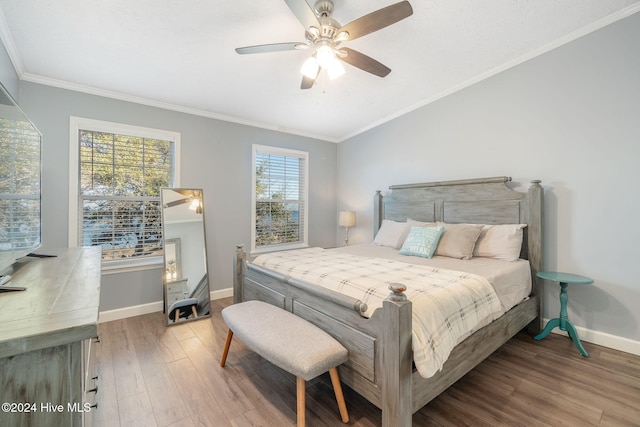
[185,279]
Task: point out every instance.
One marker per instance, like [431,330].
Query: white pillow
[502,241]
[458,240]
[392,233]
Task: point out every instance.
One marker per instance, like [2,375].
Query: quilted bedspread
[447,305]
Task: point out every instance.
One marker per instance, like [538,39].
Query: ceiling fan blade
[377,20]
[176,203]
[308,82]
[304,13]
[364,62]
[268,48]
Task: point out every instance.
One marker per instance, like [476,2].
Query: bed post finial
[397,292]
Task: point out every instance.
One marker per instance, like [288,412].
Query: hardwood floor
[151,375]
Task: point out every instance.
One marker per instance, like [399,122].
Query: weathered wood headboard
[472,201]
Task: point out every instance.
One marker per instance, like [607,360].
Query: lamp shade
[347,219]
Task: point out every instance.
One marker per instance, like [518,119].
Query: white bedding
[511,280]
[448,305]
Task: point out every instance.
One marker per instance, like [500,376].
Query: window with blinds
[279,198]
[120,176]
[19,184]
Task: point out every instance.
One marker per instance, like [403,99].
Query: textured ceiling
[179,54]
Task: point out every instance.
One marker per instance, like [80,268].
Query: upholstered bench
[289,342]
[183,308]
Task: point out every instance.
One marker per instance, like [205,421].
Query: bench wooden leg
[337,388]
[176,317]
[194,311]
[225,352]
[300,386]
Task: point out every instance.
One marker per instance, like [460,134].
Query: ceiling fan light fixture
[335,70]
[342,36]
[314,32]
[325,56]
[310,68]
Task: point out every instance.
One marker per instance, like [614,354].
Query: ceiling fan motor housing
[329,27]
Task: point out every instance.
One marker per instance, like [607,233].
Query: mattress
[511,280]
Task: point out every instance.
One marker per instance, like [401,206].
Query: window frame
[75,125]
[265,149]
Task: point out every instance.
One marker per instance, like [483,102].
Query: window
[279,198]
[19,184]
[115,189]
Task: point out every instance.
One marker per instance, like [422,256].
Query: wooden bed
[380,357]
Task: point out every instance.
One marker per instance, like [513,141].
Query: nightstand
[563,321]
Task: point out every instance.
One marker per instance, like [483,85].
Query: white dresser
[46,334]
[176,291]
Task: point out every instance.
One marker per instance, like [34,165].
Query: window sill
[117,267]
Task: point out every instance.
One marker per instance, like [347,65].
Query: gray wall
[215,156]
[8,75]
[571,118]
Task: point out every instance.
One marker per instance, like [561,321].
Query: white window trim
[77,123]
[278,151]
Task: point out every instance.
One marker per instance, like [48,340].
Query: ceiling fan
[192,197]
[325,35]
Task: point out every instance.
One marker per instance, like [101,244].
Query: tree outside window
[120,176]
[280,198]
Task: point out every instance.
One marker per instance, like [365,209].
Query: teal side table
[563,321]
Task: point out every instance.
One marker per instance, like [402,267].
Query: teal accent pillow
[422,241]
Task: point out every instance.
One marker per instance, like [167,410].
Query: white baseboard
[222,293]
[152,307]
[604,339]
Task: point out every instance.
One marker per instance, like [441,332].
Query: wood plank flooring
[151,375]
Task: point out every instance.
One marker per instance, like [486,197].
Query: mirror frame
[179,252]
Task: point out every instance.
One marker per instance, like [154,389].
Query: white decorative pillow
[502,241]
[391,233]
[458,240]
[422,241]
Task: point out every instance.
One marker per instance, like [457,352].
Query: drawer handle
[95,405]
[93,390]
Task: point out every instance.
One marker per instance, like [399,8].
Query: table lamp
[347,219]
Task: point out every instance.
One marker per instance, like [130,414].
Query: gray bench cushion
[284,339]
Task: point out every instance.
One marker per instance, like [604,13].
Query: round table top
[555,276]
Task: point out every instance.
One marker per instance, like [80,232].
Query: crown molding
[62,84]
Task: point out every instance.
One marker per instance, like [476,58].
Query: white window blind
[120,176]
[19,185]
[280,198]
